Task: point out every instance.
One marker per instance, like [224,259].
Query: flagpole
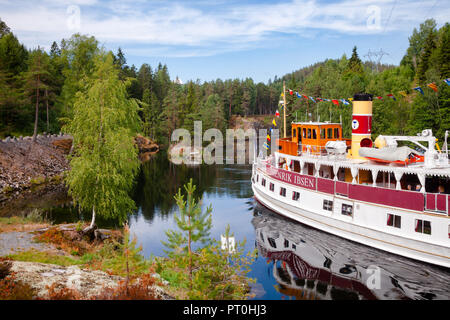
[284,109]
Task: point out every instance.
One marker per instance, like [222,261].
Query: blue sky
[207,40]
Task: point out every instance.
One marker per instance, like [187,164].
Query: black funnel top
[363,97]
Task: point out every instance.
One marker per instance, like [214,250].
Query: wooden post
[284,108]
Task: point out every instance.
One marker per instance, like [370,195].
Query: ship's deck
[441,169]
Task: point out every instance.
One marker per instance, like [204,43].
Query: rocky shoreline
[25,164]
[28,166]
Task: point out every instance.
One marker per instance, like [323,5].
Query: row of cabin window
[422,226]
[312,133]
[273,243]
[295,194]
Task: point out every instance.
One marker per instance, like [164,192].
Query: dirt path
[14,242]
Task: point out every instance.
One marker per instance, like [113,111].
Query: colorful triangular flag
[403,93]
[335,102]
[391,96]
[291,92]
[433,86]
[298,95]
[268,137]
[418,89]
[345,102]
[274,122]
[447,81]
[266,146]
[312,99]
[277,114]
[379,98]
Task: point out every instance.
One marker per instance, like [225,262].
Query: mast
[284,109]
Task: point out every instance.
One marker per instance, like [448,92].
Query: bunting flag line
[277,114]
[265,145]
[347,101]
[433,86]
[419,89]
[268,137]
[391,96]
[274,123]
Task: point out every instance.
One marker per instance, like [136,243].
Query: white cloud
[203,29]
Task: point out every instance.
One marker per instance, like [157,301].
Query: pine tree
[106,161]
[355,64]
[424,62]
[36,79]
[444,52]
[194,226]
[4,29]
[213,272]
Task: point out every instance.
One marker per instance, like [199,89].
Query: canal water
[293,261]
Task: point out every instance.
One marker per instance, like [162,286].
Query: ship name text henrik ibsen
[391,193]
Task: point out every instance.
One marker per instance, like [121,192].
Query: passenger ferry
[378,193]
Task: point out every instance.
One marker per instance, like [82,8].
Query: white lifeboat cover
[388,153]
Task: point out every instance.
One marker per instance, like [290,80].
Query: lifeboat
[399,155]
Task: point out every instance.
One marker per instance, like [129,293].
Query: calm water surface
[294,261]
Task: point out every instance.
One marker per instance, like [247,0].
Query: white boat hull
[367,225]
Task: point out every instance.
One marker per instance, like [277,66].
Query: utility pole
[377,55]
[284,107]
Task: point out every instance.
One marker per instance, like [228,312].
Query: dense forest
[38,88]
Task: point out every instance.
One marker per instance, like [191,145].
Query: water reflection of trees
[159,180]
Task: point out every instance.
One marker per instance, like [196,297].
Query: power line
[377,56]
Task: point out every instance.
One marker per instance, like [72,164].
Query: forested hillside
[38,88]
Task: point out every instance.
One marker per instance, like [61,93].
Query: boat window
[314,134]
[257,178]
[336,133]
[271,187]
[286,243]
[304,132]
[263,182]
[282,191]
[347,210]
[394,220]
[328,205]
[322,134]
[423,226]
[330,133]
[272,242]
[295,196]
[309,133]
[294,132]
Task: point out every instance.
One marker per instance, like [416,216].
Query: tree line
[38,88]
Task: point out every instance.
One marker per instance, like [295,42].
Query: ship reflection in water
[310,264]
